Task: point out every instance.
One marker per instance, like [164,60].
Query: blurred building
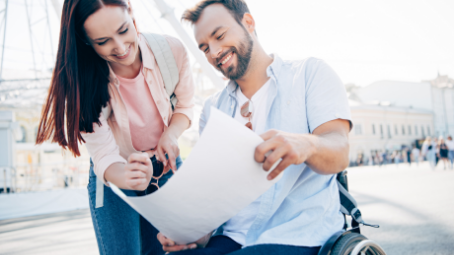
[436,96]
[379,127]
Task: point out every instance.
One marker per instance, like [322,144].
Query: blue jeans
[451,156]
[120,229]
[220,245]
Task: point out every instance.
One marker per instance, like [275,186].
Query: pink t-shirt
[145,123]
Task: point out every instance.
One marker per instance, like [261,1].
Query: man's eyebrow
[102,38]
[212,34]
[215,31]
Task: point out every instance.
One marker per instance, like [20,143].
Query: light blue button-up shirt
[302,208]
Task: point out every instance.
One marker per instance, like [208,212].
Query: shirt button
[337,115]
[231,107]
[288,102]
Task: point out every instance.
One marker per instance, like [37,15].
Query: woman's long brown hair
[79,84]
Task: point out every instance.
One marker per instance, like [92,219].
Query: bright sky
[363,40]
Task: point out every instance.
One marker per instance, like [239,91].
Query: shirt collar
[148,58]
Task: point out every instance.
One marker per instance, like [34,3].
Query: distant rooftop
[442,81]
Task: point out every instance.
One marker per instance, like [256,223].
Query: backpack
[167,65]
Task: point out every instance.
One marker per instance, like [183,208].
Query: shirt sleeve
[184,91]
[102,148]
[205,114]
[326,97]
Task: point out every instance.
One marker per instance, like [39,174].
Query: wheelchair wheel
[356,244]
[346,244]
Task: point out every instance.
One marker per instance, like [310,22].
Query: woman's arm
[183,112]
[109,166]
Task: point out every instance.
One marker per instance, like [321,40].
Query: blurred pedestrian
[437,150]
[415,152]
[429,151]
[396,156]
[378,159]
[450,144]
[385,157]
[443,152]
[408,154]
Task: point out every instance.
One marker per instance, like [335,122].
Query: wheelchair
[349,240]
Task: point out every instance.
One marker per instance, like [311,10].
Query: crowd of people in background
[433,150]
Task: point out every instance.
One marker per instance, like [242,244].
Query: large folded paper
[218,179]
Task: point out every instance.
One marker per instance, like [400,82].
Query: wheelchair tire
[347,243]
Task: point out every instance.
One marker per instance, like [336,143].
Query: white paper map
[218,179]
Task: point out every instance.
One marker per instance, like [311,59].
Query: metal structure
[168,14]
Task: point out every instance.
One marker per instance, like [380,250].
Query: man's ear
[249,22]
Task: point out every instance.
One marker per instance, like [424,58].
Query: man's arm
[325,150]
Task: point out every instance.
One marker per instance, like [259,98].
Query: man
[301,110]
[450,144]
[415,153]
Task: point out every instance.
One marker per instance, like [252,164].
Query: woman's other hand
[168,144]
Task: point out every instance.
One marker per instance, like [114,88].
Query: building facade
[383,127]
[436,96]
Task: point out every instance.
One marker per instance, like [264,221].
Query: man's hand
[138,171]
[170,246]
[291,148]
[325,151]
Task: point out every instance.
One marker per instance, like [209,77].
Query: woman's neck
[130,71]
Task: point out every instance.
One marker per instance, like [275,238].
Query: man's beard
[243,53]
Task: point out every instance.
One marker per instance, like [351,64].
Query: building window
[396,132]
[422,132]
[358,129]
[428,130]
[409,130]
[381,131]
[403,130]
[389,131]
[373,129]
[416,130]
[23,135]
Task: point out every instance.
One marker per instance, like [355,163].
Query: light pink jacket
[111,142]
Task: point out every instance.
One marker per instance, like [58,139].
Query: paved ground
[414,207]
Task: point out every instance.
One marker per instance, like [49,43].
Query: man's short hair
[236,7]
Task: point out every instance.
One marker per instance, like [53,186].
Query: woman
[443,154]
[429,151]
[103,62]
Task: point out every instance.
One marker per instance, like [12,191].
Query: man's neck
[256,76]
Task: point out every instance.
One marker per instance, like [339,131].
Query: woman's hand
[169,141]
[169,245]
[138,171]
[168,144]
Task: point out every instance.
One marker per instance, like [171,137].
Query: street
[414,207]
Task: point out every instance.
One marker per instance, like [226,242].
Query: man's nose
[216,52]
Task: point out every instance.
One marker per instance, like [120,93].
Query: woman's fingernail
[193,246]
